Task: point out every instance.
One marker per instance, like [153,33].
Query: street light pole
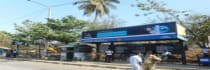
[43,5]
[49,12]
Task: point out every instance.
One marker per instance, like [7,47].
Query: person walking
[150,61]
[136,61]
[108,55]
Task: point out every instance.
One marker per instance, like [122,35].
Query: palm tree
[99,7]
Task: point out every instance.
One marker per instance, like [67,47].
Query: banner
[150,29]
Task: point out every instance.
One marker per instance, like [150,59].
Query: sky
[16,11]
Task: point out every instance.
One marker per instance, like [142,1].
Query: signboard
[158,31]
[135,30]
[180,30]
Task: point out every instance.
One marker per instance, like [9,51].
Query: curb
[121,67]
[90,65]
[100,66]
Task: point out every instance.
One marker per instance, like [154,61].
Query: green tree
[5,39]
[199,27]
[67,29]
[32,30]
[99,7]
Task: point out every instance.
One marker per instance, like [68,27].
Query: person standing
[205,52]
[108,55]
[136,61]
[14,53]
[150,61]
[165,55]
[8,54]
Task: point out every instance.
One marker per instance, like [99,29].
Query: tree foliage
[199,26]
[150,7]
[35,30]
[99,7]
[65,30]
[5,39]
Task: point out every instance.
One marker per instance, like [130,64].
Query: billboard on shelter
[135,33]
[135,30]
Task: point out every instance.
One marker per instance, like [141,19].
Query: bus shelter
[149,32]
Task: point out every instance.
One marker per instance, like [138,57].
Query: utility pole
[43,5]
[49,12]
[49,7]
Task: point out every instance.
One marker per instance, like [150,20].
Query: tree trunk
[96,16]
[201,44]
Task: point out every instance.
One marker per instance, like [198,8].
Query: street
[30,65]
[25,65]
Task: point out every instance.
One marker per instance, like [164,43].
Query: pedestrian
[165,55]
[136,61]
[8,54]
[108,57]
[150,61]
[14,53]
[205,52]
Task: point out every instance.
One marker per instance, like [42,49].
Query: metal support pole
[97,51]
[18,48]
[112,47]
[46,46]
[183,48]
[39,51]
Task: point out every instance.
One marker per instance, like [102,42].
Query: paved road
[24,65]
[28,65]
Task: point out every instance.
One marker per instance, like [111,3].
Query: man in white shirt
[108,55]
[136,61]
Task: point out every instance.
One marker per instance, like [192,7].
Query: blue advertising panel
[134,33]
